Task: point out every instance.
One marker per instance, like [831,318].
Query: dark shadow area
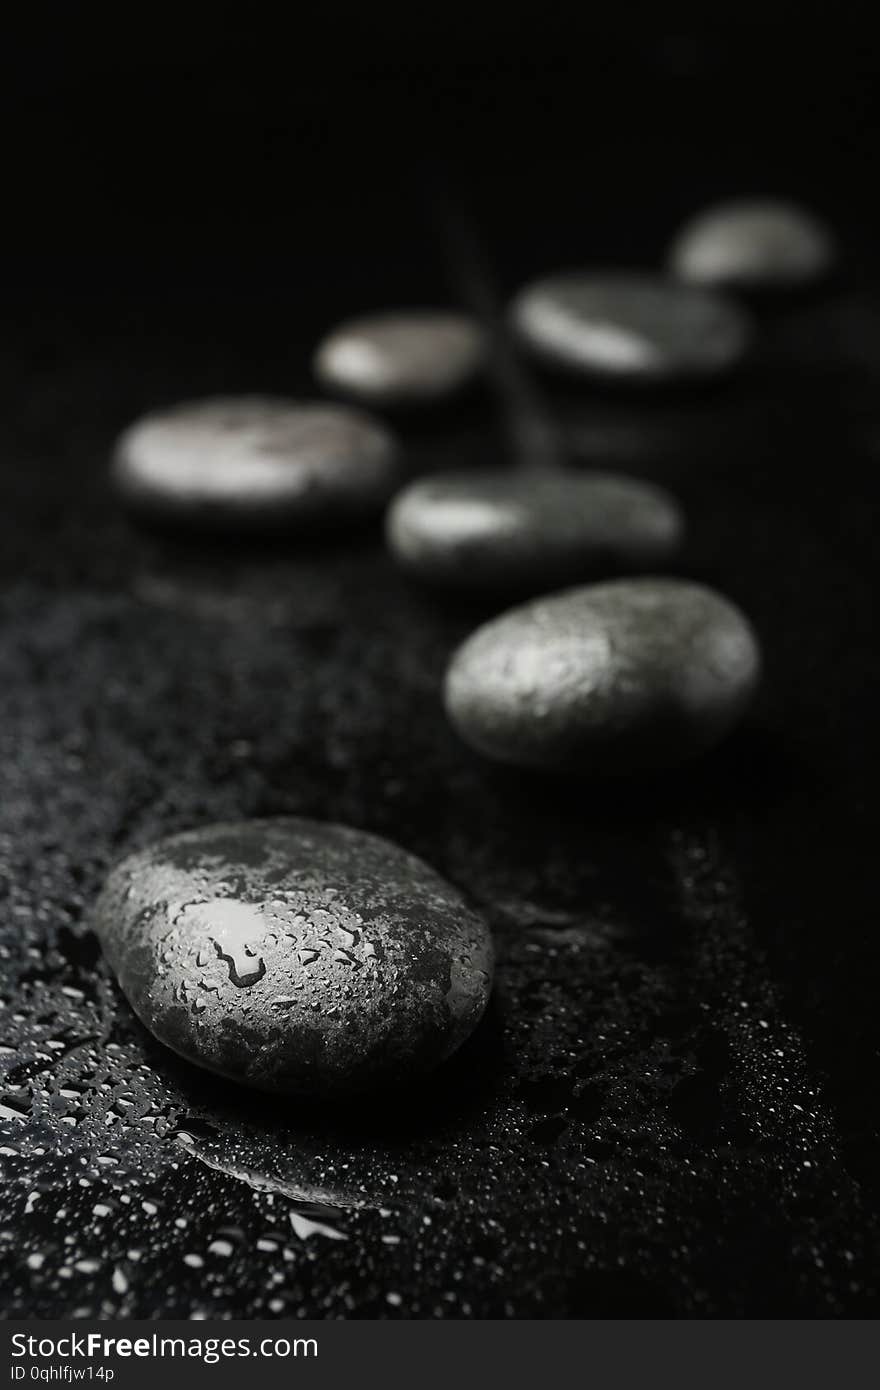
[751,771]
[444,1101]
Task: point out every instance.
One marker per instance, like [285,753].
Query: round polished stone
[629,327]
[519,532]
[752,245]
[295,956]
[256,461]
[402,358]
[628,675]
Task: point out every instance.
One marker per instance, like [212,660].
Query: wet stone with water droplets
[295,956]
[618,677]
[629,327]
[520,532]
[258,463]
[405,358]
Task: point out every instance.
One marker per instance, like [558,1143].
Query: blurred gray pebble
[629,327]
[519,532]
[618,677]
[405,358]
[752,245]
[295,956]
[257,462]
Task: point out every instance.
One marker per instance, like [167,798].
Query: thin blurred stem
[530,432]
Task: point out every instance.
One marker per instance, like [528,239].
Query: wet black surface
[671,1108]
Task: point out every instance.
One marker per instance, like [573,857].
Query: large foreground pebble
[295,956]
[752,245]
[629,327]
[257,461]
[633,674]
[519,532]
[403,358]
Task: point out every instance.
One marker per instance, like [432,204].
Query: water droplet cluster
[296,956]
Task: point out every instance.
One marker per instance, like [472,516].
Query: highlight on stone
[629,326]
[257,462]
[629,675]
[296,956]
[518,532]
[407,357]
[753,244]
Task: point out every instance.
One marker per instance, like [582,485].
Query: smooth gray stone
[519,532]
[752,245]
[402,358]
[295,956]
[257,462]
[629,675]
[629,327]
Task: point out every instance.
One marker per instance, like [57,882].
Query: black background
[672,1108]
[150,152]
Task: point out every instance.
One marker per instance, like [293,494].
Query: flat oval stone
[295,956]
[616,677]
[523,531]
[752,245]
[402,358]
[629,327]
[256,461]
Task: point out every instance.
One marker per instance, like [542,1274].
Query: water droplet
[234,928]
[304,1228]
